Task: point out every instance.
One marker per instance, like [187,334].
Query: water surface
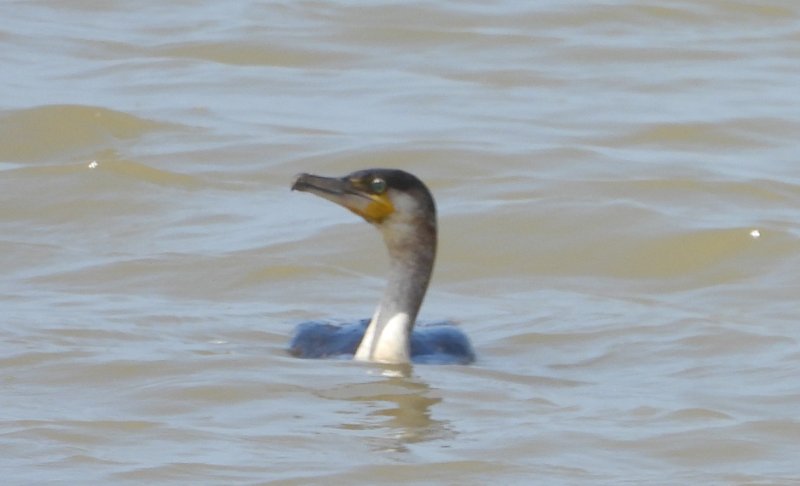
[619,196]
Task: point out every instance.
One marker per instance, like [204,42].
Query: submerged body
[402,208]
[440,343]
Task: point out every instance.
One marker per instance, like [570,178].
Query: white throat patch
[392,345]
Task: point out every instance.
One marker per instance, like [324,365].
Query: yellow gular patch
[379,209]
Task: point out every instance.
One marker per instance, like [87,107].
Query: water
[619,193]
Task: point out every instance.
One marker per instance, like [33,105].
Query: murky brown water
[619,196]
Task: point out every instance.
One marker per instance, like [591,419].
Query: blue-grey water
[618,186]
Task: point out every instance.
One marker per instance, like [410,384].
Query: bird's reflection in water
[397,403]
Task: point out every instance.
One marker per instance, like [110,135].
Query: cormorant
[402,208]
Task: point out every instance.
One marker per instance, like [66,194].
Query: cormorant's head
[378,195]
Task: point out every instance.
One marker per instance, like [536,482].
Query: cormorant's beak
[346,192]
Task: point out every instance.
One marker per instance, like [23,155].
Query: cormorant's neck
[412,251]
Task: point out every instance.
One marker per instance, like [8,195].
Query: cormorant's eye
[378,185]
